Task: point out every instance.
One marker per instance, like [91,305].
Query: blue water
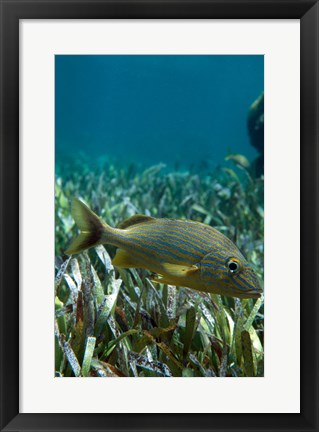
[179,110]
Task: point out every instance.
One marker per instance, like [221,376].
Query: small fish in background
[239,159]
[180,252]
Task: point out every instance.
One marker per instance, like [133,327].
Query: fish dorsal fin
[134,220]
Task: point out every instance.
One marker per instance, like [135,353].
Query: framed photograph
[158,241]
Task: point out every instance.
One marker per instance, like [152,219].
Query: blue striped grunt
[179,252]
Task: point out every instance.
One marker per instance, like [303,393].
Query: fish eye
[233,266]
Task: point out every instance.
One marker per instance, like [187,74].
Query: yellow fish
[239,159]
[180,252]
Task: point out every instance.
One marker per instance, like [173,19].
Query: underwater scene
[159,216]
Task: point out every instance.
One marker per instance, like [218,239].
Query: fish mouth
[250,294]
[254,294]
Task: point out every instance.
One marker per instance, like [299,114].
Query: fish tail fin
[90,225]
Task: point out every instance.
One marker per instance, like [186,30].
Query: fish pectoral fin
[174,273]
[123,259]
[177,270]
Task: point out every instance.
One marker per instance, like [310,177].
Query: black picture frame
[11,12]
